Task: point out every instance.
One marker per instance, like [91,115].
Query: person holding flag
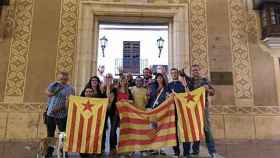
[198,81]
[93,90]
[58,93]
[178,87]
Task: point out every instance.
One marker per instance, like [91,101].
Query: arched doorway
[94,13]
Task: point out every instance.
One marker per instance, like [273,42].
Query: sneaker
[187,156]
[156,152]
[194,153]
[213,155]
[144,153]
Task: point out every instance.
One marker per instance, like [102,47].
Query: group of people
[144,92]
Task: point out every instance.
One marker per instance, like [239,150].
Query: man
[139,93]
[198,81]
[130,80]
[176,86]
[58,93]
[147,73]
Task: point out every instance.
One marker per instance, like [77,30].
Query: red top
[122,96]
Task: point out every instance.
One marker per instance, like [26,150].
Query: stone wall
[223,37]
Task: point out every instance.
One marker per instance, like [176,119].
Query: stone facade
[46,37]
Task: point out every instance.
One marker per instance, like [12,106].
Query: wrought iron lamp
[160,42]
[103,44]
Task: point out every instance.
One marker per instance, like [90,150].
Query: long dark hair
[120,83]
[183,74]
[88,85]
[164,80]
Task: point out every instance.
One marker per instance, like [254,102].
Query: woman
[92,90]
[95,84]
[121,93]
[158,92]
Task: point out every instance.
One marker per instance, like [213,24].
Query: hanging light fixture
[103,44]
[160,43]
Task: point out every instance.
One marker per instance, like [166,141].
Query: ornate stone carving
[23,107]
[214,109]
[244,110]
[253,27]
[243,88]
[67,37]
[198,35]
[19,49]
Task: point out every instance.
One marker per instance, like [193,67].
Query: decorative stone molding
[199,35]
[67,37]
[19,49]
[23,107]
[242,74]
[214,109]
[244,110]
[253,27]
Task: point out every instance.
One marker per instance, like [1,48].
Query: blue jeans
[208,138]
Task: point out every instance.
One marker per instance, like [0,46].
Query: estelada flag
[190,111]
[144,130]
[85,124]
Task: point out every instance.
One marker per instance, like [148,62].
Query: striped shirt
[59,99]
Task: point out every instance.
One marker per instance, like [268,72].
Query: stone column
[67,37]
[242,73]
[19,50]
[199,35]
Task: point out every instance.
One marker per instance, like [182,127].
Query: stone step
[203,154]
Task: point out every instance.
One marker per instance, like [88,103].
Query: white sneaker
[213,155]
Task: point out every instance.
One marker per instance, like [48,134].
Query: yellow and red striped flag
[190,111]
[85,124]
[144,130]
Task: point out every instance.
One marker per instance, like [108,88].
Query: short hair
[64,73]
[88,88]
[196,65]
[174,69]
[146,68]
[139,77]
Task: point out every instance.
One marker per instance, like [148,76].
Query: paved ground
[226,149]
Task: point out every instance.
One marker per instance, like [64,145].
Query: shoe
[187,156]
[161,152]
[113,152]
[175,155]
[144,153]
[158,152]
[195,153]
[213,155]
